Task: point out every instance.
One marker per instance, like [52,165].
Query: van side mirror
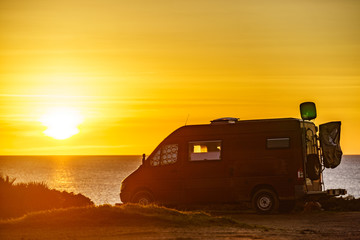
[308,110]
[143,158]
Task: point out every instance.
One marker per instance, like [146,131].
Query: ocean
[99,177]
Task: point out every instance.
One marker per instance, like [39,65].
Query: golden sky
[136,70]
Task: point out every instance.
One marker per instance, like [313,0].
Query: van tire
[313,167]
[265,201]
[143,198]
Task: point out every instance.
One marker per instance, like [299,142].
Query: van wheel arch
[143,197]
[262,186]
[264,199]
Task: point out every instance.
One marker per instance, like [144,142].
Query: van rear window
[205,150]
[278,143]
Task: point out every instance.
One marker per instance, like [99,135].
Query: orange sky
[135,70]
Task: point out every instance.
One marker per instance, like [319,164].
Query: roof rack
[225,120]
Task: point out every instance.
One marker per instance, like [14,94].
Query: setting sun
[61,123]
[137,70]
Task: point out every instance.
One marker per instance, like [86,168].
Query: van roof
[241,125]
[239,121]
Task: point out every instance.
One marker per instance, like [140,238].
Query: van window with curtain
[205,150]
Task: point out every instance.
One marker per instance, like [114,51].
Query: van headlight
[122,186]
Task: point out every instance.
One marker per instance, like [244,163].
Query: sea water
[346,175]
[99,177]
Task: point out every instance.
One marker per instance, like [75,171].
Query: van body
[263,161]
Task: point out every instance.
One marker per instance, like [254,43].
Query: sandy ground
[317,225]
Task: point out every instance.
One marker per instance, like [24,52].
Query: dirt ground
[318,225]
[315,225]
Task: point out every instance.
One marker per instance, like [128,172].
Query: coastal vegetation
[124,215]
[18,199]
[348,203]
[133,221]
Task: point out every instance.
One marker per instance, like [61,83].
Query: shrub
[341,204]
[19,199]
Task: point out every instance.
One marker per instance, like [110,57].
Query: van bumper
[316,195]
[125,197]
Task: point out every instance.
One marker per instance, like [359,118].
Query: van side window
[205,150]
[278,143]
[166,155]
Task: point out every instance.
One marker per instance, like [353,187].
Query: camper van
[270,163]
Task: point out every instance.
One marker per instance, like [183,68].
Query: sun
[61,122]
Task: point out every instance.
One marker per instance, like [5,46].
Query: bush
[19,199]
[341,204]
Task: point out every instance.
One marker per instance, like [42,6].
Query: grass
[34,204]
[19,199]
[124,215]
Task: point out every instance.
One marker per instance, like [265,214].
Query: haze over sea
[99,177]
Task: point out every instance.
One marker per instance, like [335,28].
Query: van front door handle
[231,172]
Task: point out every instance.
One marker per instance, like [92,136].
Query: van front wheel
[143,198]
[265,201]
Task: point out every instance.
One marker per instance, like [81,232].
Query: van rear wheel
[143,198]
[265,201]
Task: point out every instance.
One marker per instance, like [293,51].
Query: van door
[206,179]
[164,179]
[330,143]
[313,163]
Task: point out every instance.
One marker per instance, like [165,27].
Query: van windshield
[167,154]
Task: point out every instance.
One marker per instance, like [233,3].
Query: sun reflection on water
[62,177]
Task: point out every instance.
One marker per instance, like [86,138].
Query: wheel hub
[144,201]
[264,202]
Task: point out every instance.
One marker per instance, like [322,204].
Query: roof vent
[224,120]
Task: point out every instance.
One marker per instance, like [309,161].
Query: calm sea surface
[99,177]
